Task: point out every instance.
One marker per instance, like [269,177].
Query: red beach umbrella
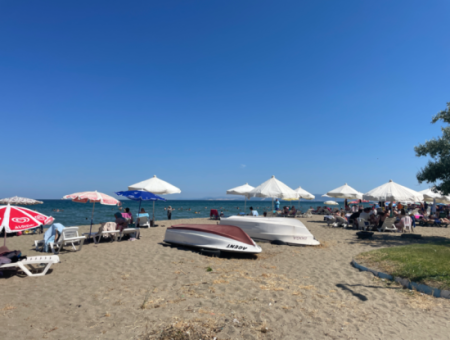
[14,219]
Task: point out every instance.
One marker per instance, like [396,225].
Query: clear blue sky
[209,95]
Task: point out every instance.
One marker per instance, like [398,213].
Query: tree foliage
[437,170]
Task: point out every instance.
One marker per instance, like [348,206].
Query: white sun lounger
[97,236]
[129,231]
[388,224]
[31,262]
[307,213]
[143,222]
[68,236]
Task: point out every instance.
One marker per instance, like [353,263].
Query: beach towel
[49,235]
[108,226]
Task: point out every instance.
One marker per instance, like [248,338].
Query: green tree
[437,170]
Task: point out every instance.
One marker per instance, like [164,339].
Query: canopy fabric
[392,191]
[92,197]
[430,195]
[156,186]
[346,192]
[139,195]
[273,188]
[20,201]
[14,219]
[242,190]
[331,203]
[302,193]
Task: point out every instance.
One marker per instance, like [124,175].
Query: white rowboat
[286,230]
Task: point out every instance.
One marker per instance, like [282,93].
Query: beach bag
[4,260]
[14,255]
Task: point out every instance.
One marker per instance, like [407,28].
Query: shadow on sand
[358,295]
[212,252]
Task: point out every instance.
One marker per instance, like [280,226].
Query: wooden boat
[226,238]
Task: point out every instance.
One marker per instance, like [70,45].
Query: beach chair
[388,224]
[129,231]
[40,244]
[407,224]
[331,221]
[341,222]
[143,222]
[317,211]
[31,262]
[69,236]
[308,213]
[107,230]
[362,223]
[214,214]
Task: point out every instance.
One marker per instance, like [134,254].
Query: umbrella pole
[153,213]
[245,204]
[92,219]
[139,211]
[272,204]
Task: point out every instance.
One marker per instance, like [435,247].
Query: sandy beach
[136,290]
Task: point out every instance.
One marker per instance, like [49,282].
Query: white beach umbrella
[392,191]
[19,201]
[273,188]
[155,186]
[331,203]
[346,192]
[430,195]
[302,193]
[242,190]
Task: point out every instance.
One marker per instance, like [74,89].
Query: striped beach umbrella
[14,219]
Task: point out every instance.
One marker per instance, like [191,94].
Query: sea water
[71,214]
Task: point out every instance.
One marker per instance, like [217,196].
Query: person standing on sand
[277,204]
[169,213]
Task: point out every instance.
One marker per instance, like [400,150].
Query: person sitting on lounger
[121,223]
[286,210]
[127,215]
[293,211]
[353,218]
[143,214]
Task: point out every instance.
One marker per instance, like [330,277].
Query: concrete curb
[406,283]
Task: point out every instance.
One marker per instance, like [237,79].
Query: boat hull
[286,230]
[205,240]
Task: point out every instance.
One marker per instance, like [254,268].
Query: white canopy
[330,203]
[19,201]
[392,191]
[430,195]
[302,193]
[273,188]
[155,186]
[345,191]
[242,190]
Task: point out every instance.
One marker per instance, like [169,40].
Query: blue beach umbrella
[138,195]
